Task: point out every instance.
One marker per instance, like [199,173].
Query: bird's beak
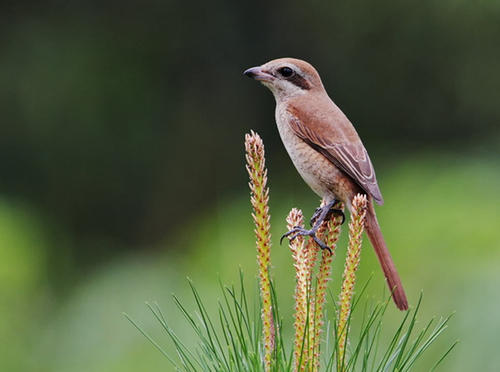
[258,74]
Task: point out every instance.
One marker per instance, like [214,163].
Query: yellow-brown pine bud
[300,258]
[330,236]
[356,227]
[256,167]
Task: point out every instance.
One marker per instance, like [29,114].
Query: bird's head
[287,77]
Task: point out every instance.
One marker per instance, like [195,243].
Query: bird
[327,152]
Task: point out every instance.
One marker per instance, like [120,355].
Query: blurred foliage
[115,115]
[121,158]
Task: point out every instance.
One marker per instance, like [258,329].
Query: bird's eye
[285,72]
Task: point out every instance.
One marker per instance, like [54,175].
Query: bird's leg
[321,216]
[331,211]
[315,215]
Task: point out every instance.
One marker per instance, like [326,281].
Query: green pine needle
[231,339]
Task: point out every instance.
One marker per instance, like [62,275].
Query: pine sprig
[356,228]
[256,168]
[239,339]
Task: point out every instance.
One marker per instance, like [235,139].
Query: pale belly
[322,176]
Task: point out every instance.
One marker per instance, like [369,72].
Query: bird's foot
[300,231]
[331,212]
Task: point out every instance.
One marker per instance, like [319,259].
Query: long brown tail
[373,230]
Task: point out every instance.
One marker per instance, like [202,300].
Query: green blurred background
[121,163]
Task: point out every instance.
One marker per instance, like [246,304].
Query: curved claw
[297,231]
[337,212]
[295,235]
[321,244]
[283,237]
[288,233]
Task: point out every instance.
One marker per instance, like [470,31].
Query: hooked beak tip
[251,72]
[257,74]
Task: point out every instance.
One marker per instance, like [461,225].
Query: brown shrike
[327,152]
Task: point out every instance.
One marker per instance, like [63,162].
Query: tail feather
[375,235]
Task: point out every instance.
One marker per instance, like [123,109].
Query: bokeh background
[121,163]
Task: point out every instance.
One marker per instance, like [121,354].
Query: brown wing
[340,144]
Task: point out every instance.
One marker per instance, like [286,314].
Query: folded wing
[341,145]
